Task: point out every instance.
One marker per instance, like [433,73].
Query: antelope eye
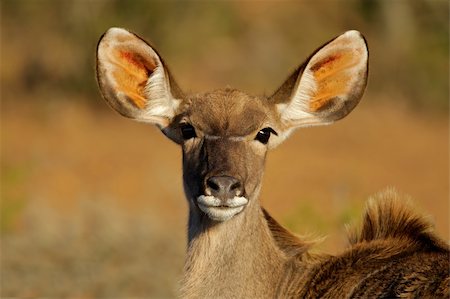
[264,135]
[187,131]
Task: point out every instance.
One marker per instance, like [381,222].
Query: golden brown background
[92,204]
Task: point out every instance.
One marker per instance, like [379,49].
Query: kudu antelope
[235,248]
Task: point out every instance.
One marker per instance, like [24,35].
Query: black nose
[223,187]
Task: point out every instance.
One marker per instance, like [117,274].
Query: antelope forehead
[229,121]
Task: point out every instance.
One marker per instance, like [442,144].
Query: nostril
[211,184]
[235,186]
[223,187]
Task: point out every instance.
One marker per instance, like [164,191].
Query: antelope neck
[227,256]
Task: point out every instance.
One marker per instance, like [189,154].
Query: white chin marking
[219,210]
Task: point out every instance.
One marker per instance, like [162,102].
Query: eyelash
[263,135]
[187,131]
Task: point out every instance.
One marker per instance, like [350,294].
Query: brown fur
[250,255]
[395,254]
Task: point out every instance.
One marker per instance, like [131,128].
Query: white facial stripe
[218,210]
[232,138]
[236,138]
[212,137]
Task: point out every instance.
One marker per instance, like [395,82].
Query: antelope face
[225,134]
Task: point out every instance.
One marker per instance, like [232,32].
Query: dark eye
[264,135]
[187,131]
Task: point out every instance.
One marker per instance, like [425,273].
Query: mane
[289,243]
[389,216]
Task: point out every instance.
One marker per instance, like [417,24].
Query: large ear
[133,79]
[327,86]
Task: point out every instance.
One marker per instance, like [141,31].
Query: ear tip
[114,33]
[356,37]
[111,36]
[353,33]
[116,30]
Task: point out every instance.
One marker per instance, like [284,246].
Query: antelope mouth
[221,210]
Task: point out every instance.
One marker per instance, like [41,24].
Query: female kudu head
[225,134]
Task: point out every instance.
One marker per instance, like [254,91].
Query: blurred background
[92,203]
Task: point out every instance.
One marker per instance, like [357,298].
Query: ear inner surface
[133,79]
[131,75]
[332,79]
[331,84]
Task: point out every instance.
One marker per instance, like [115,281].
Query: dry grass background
[92,203]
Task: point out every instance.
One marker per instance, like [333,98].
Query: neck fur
[224,259]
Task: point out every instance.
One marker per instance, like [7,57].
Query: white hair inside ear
[133,79]
[331,84]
